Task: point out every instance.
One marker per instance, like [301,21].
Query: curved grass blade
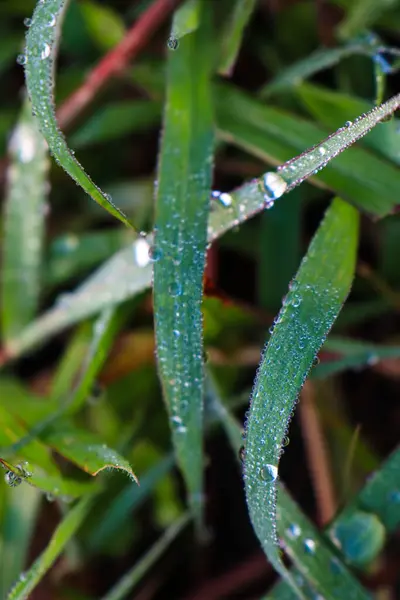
[310,552]
[25,209]
[311,555]
[40,54]
[361,14]
[180,242]
[380,497]
[310,308]
[186,19]
[132,577]
[60,538]
[233,34]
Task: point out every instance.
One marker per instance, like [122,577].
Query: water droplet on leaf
[12,479]
[21,59]
[141,250]
[269,473]
[273,186]
[309,546]
[154,253]
[27,22]
[175,289]
[172,42]
[45,52]
[293,531]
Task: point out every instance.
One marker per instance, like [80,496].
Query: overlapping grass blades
[183,198]
[315,298]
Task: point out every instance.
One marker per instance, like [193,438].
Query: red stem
[116,60]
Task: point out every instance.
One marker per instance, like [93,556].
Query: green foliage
[90,390]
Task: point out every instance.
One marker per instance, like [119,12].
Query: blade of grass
[25,209]
[361,14]
[183,198]
[134,575]
[380,497]
[40,54]
[274,136]
[310,551]
[18,517]
[60,537]
[310,308]
[233,34]
[333,108]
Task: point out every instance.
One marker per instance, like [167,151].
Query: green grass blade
[183,199]
[333,108]
[321,59]
[354,355]
[40,55]
[25,209]
[311,306]
[310,551]
[380,497]
[275,136]
[132,577]
[60,538]
[233,34]
[311,554]
[361,14]
[18,516]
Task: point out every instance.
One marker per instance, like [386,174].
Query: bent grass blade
[42,42]
[309,310]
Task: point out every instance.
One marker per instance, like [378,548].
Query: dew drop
[296,300]
[21,59]
[52,21]
[286,441]
[322,150]
[12,479]
[45,52]
[225,199]
[175,289]
[269,473]
[24,469]
[176,333]
[242,453]
[49,497]
[293,531]
[154,254]
[273,186]
[141,250]
[27,22]
[348,123]
[309,546]
[172,42]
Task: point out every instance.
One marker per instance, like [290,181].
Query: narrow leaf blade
[180,242]
[314,301]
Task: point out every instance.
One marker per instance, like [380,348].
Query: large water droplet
[296,300]
[269,473]
[21,59]
[172,42]
[348,123]
[273,186]
[141,250]
[27,22]
[293,531]
[45,52]
[25,469]
[12,479]
[175,289]
[309,546]
[155,253]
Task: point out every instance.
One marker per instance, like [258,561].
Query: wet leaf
[233,34]
[40,54]
[315,298]
[61,536]
[24,222]
[183,198]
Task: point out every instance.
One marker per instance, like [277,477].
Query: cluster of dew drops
[46,50]
[21,473]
